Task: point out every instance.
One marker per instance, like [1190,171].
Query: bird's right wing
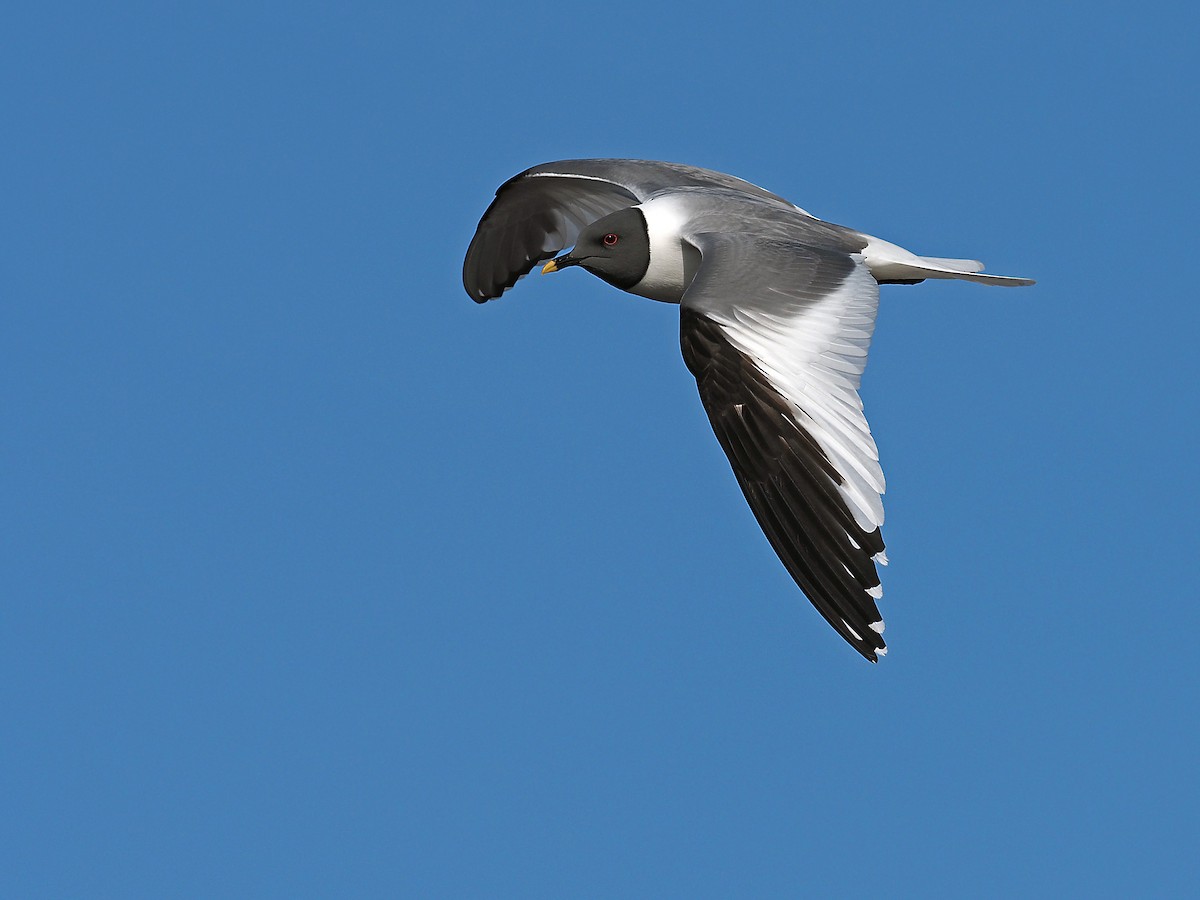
[777,333]
[541,211]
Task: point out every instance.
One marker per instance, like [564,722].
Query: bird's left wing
[542,210]
[777,333]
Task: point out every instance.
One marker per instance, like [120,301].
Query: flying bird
[777,308]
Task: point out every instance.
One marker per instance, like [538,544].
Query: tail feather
[890,263]
[957,265]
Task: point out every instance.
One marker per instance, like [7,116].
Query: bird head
[615,248]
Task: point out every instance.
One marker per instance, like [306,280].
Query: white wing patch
[815,358]
[568,175]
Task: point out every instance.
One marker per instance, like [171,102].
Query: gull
[777,308]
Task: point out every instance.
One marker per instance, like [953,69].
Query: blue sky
[321,580]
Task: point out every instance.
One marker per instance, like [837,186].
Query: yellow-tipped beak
[549,267]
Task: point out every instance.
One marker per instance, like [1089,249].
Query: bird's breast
[672,260]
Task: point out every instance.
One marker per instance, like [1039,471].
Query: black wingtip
[869,653]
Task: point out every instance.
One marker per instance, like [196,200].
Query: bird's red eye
[610,239]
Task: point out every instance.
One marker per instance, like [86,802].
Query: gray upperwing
[541,211]
[531,219]
[644,177]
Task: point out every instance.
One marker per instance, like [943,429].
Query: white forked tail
[888,262]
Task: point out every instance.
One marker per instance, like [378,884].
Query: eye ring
[610,239]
